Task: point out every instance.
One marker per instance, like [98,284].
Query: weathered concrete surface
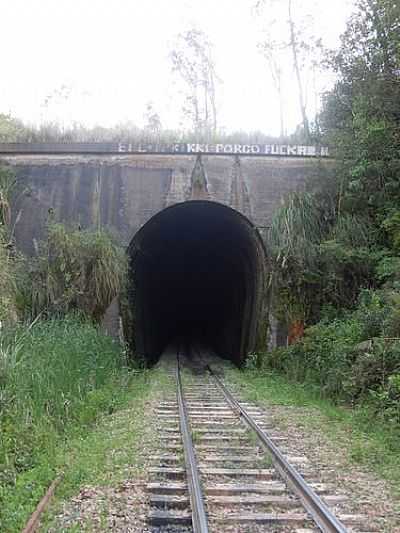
[124,191]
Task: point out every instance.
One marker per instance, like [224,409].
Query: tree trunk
[293,46]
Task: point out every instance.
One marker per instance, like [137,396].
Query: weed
[196,436]
[252,437]
[266,461]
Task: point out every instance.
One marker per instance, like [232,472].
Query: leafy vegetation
[336,252]
[8,304]
[7,283]
[335,282]
[354,358]
[75,269]
[56,378]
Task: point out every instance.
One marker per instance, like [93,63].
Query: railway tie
[222,467]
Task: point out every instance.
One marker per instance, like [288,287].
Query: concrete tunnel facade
[95,185]
[196,277]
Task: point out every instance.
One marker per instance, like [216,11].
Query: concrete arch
[197,274]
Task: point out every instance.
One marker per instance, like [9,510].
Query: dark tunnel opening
[196,277]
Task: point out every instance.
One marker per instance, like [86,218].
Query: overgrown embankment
[56,379]
[335,249]
[354,358]
[58,372]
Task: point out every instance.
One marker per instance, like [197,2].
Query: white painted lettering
[324,151]
[267,149]
[302,150]
[311,150]
[275,149]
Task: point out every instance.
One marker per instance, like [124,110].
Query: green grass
[57,380]
[107,454]
[369,442]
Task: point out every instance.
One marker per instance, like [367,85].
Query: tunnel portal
[196,277]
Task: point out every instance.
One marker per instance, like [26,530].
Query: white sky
[112,55]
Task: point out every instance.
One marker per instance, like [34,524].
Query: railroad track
[223,468]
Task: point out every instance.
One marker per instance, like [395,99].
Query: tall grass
[54,376]
[7,283]
[7,277]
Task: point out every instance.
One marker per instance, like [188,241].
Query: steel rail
[199,515]
[313,504]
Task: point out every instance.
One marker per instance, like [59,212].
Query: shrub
[75,269]
[355,358]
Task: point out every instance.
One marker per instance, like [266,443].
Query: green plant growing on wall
[8,312]
[7,189]
[75,269]
[7,259]
[319,257]
[293,240]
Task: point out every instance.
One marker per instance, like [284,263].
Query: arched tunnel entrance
[196,276]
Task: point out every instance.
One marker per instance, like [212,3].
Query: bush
[75,269]
[355,358]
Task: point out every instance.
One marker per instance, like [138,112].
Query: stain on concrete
[124,191]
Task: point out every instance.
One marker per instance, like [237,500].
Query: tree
[290,44]
[295,49]
[272,52]
[153,124]
[361,116]
[327,246]
[192,60]
[11,129]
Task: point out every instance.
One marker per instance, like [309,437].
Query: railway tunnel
[196,277]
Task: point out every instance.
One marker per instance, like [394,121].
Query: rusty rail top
[275,150]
